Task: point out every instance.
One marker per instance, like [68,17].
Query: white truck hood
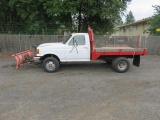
[50,44]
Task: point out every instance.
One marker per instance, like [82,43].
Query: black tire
[120,64]
[51,64]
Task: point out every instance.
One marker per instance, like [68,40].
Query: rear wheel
[51,64]
[120,64]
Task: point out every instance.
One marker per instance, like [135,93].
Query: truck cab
[75,48]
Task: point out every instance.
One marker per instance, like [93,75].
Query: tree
[48,16]
[155,21]
[119,22]
[129,18]
[25,16]
[100,14]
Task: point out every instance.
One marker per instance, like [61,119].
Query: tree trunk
[79,18]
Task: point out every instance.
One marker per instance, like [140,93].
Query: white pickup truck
[77,48]
[80,47]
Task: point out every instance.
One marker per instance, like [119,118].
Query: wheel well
[49,55]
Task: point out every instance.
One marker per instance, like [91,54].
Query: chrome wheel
[122,65]
[50,65]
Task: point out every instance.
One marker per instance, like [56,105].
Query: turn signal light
[37,51]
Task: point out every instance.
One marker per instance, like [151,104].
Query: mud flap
[136,60]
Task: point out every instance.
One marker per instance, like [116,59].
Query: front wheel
[51,64]
[120,64]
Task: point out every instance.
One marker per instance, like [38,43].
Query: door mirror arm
[75,43]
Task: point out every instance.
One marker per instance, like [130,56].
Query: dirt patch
[83,91]
[8,66]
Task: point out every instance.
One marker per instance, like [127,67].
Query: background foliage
[129,18]
[155,21]
[56,16]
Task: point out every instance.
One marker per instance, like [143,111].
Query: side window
[80,39]
[71,42]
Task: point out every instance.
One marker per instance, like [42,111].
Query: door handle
[85,47]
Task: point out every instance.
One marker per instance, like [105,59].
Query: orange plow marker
[23,57]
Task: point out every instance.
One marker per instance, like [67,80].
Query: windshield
[65,41]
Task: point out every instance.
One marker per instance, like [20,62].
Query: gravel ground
[88,91]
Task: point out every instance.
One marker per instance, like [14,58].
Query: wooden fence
[10,44]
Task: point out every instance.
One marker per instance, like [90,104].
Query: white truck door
[78,49]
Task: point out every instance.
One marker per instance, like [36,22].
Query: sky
[142,8]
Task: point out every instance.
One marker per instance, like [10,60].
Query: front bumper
[36,59]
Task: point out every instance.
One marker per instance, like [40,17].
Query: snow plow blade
[23,57]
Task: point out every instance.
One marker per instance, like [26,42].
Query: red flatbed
[123,51]
[117,51]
